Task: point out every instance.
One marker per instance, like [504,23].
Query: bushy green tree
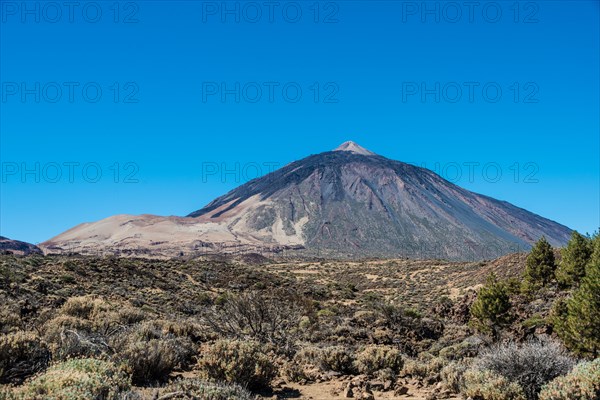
[574,259]
[539,266]
[577,320]
[491,309]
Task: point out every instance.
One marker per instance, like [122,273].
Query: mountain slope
[343,203]
[18,247]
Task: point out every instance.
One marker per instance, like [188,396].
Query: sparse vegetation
[487,385]
[75,379]
[583,383]
[193,388]
[531,365]
[241,362]
[211,329]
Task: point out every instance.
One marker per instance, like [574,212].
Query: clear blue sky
[370,61]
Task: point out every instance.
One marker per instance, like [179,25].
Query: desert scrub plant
[149,354]
[531,364]
[10,319]
[487,385]
[84,307]
[22,354]
[197,389]
[452,375]
[68,337]
[234,361]
[375,358]
[582,383]
[329,358]
[254,315]
[426,366]
[75,379]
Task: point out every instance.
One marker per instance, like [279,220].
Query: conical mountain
[349,202]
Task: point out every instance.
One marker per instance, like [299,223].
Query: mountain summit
[348,202]
[354,148]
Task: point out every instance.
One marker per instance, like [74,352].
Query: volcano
[348,202]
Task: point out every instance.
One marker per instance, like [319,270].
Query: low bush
[84,307]
[330,358]
[198,389]
[150,354]
[22,354]
[531,364]
[241,362]
[75,379]
[70,337]
[487,385]
[453,375]
[423,368]
[271,318]
[375,358]
[583,383]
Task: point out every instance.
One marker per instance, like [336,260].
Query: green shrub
[375,358]
[21,354]
[197,389]
[76,379]
[236,361]
[491,309]
[583,383]
[487,385]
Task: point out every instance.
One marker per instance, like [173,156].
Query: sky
[158,107]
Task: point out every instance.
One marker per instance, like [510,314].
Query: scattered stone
[401,390]
[388,385]
[348,393]
[376,385]
[332,374]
